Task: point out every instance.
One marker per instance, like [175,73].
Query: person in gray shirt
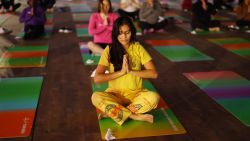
[151,17]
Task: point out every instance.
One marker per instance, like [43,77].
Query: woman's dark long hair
[116,49]
[101,2]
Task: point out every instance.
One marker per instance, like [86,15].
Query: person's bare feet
[142,117]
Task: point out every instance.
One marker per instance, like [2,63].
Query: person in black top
[202,12]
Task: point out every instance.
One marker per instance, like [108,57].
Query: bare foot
[143,117]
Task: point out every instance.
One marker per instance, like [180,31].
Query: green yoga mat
[24,61]
[82,32]
[165,122]
[234,40]
[238,46]
[18,103]
[27,48]
[243,52]
[182,53]
[49,15]
[85,57]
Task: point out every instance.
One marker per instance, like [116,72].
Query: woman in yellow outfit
[125,97]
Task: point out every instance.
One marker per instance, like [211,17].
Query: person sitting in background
[8,6]
[243,15]
[151,17]
[100,26]
[34,19]
[129,8]
[202,12]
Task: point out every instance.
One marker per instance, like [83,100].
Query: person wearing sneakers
[34,19]
[125,96]
[243,15]
[202,12]
[100,26]
[8,6]
[151,17]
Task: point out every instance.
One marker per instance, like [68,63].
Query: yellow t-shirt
[138,56]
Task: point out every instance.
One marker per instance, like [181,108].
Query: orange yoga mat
[172,42]
[237,46]
[25,54]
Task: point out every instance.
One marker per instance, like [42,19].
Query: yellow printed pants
[119,105]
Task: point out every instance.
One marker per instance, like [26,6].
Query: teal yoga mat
[82,32]
[95,58]
[182,53]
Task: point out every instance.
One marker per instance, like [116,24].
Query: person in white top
[129,8]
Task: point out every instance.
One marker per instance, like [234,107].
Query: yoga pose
[125,97]
[129,8]
[100,26]
[34,19]
[152,17]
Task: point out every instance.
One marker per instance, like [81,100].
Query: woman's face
[124,35]
[105,6]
